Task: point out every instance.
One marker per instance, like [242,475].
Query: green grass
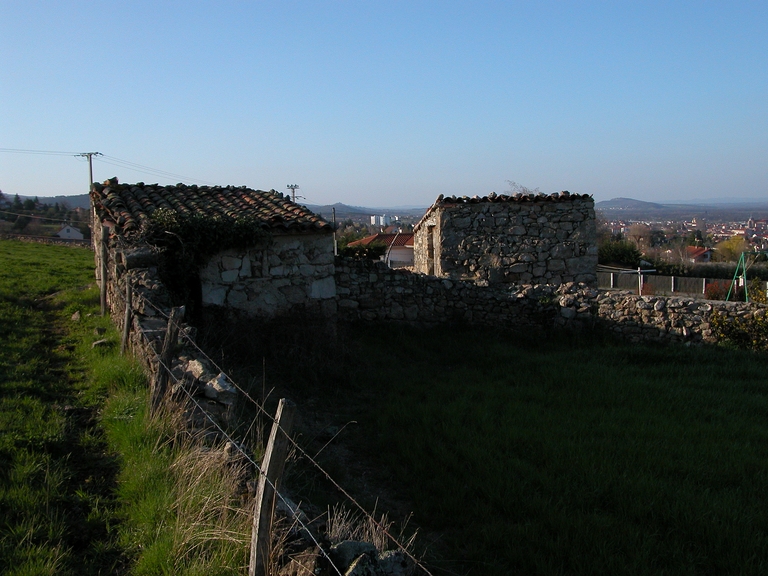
[536,454]
[55,473]
[569,456]
[546,455]
[88,483]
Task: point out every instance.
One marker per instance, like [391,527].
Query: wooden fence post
[128,314]
[271,470]
[103,268]
[171,335]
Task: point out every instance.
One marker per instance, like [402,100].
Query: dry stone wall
[150,308]
[370,291]
[269,279]
[654,318]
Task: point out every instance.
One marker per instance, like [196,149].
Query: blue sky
[389,103]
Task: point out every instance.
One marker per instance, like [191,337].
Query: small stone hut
[261,253]
[497,239]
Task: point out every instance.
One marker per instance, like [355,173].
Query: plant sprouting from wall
[187,241]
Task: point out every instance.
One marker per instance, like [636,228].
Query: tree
[640,234]
[620,253]
[17,205]
[604,232]
[694,238]
[349,234]
[372,251]
[730,250]
[658,237]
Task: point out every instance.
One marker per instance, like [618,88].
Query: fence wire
[293,442]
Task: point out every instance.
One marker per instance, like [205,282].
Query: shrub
[715,291]
[372,251]
[620,253]
[757,292]
[747,332]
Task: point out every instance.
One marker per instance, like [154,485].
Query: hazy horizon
[692,202]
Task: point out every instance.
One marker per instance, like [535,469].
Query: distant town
[672,232]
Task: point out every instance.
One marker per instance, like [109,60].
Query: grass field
[88,483]
[518,454]
[564,456]
[56,476]
[523,454]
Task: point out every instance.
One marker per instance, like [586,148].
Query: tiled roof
[131,205]
[563,196]
[403,239]
[695,252]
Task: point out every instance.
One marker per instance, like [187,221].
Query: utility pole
[293,188]
[90,156]
[335,243]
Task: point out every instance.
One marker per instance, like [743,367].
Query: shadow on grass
[57,499]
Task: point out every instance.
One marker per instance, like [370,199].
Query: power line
[125,164]
[295,444]
[148,169]
[39,152]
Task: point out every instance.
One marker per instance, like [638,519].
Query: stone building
[256,251]
[524,238]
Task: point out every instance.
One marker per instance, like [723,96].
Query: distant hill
[77,201]
[344,211]
[627,204]
[721,210]
[340,209]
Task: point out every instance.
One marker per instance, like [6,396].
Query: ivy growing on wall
[186,242]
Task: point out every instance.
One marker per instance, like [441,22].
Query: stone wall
[150,308]
[509,240]
[652,318]
[271,278]
[370,291]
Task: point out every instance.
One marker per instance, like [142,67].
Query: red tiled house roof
[130,206]
[696,253]
[403,239]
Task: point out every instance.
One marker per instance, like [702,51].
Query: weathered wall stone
[151,306]
[509,239]
[270,278]
[370,291]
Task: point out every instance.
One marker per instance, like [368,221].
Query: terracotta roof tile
[130,206]
[402,239]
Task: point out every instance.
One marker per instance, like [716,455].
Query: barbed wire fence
[128,299]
